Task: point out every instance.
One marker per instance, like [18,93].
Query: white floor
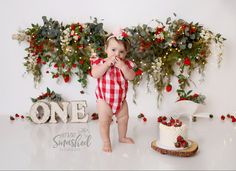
[24,145]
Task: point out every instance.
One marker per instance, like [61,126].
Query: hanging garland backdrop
[172,49]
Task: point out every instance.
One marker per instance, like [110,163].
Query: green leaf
[189,92]
[48,90]
[168,20]
[33,100]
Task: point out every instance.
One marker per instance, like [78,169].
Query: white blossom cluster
[21,36]
[205,34]
[156,69]
[66,37]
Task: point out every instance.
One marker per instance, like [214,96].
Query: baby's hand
[120,63]
[111,60]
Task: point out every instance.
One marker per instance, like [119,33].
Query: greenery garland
[174,48]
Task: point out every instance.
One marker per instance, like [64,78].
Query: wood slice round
[187,152]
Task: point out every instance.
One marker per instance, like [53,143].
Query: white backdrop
[16,87]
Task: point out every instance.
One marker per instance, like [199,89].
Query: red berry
[184,144]
[145,119]
[228,116]
[179,138]
[180,123]
[172,121]
[164,122]
[12,118]
[233,119]
[164,118]
[177,144]
[22,117]
[94,114]
[159,119]
[222,117]
[168,87]
[17,115]
[95,118]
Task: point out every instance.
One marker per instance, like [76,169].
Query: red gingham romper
[112,86]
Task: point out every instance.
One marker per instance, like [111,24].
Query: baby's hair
[126,41]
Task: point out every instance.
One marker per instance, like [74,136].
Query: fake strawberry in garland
[168,88]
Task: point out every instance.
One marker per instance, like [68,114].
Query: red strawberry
[12,118]
[172,121]
[180,138]
[180,123]
[94,114]
[55,76]
[184,144]
[145,119]
[17,115]
[22,117]
[168,87]
[177,144]
[138,72]
[159,119]
[164,118]
[222,117]
[187,61]
[233,119]
[164,122]
[81,62]
[66,78]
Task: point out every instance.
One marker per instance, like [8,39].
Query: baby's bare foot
[107,147]
[126,140]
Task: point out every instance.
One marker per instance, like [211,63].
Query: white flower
[20,37]
[159,36]
[75,38]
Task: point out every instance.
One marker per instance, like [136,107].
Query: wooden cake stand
[187,152]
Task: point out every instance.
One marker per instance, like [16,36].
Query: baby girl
[112,75]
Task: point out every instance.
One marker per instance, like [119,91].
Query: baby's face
[116,49]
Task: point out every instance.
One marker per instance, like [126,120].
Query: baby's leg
[122,118]
[105,117]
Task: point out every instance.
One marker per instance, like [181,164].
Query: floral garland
[197,98]
[49,95]
[165,51]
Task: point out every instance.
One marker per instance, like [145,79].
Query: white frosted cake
[172,134]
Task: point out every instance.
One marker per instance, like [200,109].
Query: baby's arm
[128,73]
[127,69]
